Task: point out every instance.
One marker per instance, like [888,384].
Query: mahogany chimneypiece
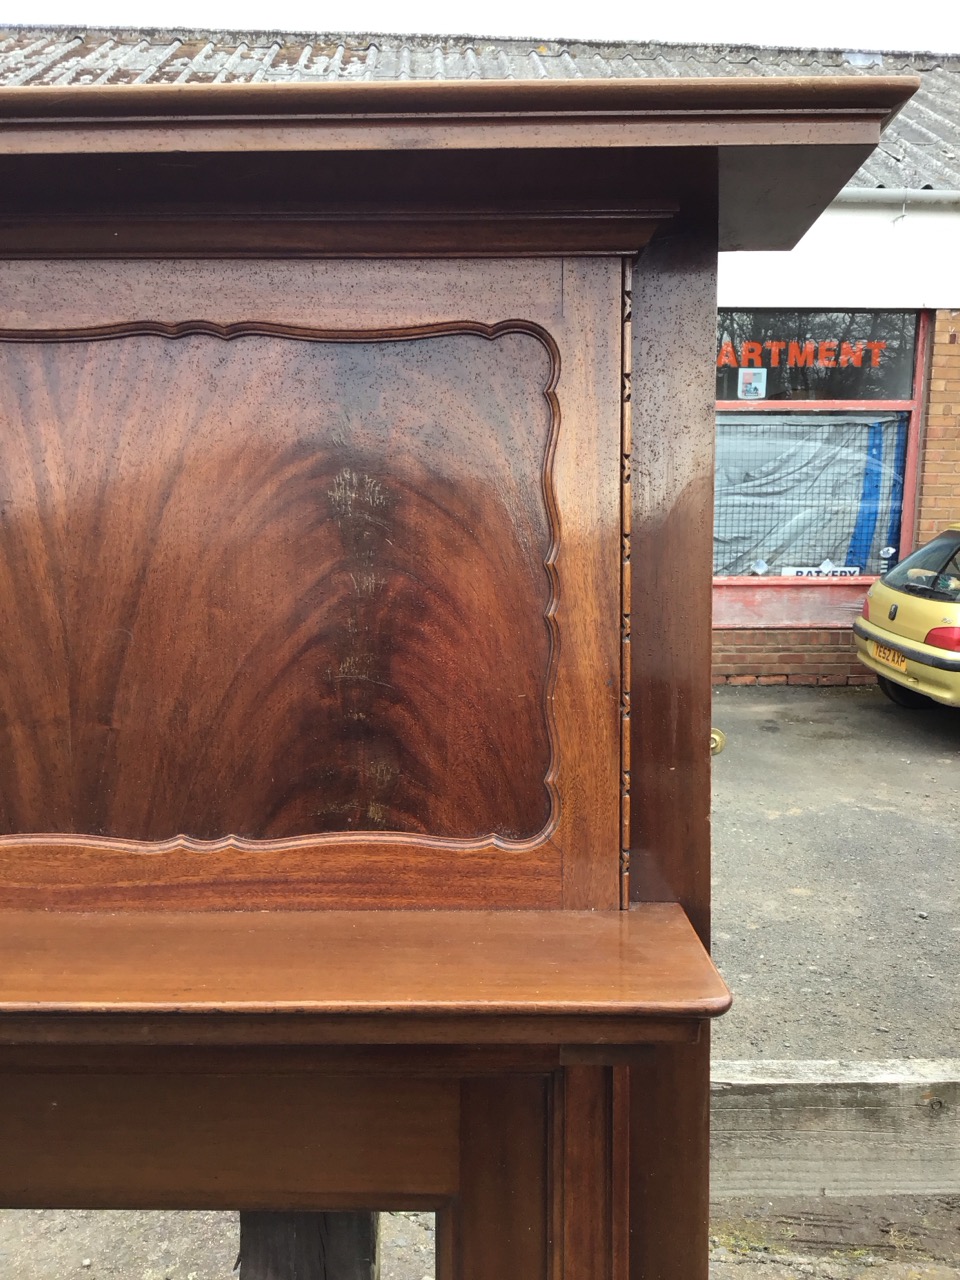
[336,619]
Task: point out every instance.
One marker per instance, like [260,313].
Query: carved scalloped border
[252,328]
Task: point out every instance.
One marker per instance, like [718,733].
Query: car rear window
[933,571]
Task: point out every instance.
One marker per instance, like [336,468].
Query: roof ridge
[432,39]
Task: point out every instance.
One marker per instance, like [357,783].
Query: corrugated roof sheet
[920,149]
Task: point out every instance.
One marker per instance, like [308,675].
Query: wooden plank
[878,96]
[272,1142]
[64,874]
[809,1128]
[309,1246]
[587,469]
[605,1033]
[620,1173]
[674,307]
[857,132]
[584,1172]
[646,962]
[378,1060]
[325,235]
[669,1152]
[501,1216]
[446,1244]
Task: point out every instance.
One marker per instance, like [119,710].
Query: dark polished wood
[323,234]
[258,205]
[192,1140]
[156,761]
[308,644]
[240,595]
[813,135]
[361,872]
[612,1037]
[496,966]
[268,1057]
[674,303]
[501,1219]
[669,1163]
[720,97]
[584,1164]
[674,307]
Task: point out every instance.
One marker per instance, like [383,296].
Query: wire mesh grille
[805,491]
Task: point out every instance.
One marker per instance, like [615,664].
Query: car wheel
[904,697]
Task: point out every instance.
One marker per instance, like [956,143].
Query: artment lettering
[796,355]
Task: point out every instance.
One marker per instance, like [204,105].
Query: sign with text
[752,384]
[815,355]
[818,571]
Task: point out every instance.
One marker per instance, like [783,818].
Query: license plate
[892,657]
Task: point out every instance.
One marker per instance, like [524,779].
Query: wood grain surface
[483,770]
[609,1037]
[583,1172]
[670,1162]
[276,587]
[309,1246]
[360,871]
[191,1141]
[501,1220]
[643,962]
[674,309]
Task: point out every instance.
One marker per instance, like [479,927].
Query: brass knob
[718,740]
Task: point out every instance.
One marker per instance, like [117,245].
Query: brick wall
[780,655]
[939,497]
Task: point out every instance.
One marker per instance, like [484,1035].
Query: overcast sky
[882,24]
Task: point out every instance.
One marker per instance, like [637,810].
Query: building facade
[870,397]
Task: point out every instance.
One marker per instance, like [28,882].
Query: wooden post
[309,1246]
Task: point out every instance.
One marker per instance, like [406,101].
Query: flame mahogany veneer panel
[323,610]
[276,587]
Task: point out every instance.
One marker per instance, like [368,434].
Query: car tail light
[944,638]
[865,611]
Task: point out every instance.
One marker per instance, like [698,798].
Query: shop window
[816,421]
[815,355]
[801,491]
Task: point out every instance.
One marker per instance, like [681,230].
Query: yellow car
[909,631]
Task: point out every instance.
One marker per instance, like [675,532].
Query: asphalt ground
[836,875]
[837,924]
[836,878]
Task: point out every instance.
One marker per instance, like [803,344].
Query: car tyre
[904,697]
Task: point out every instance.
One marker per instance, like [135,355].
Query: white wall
[899,257]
